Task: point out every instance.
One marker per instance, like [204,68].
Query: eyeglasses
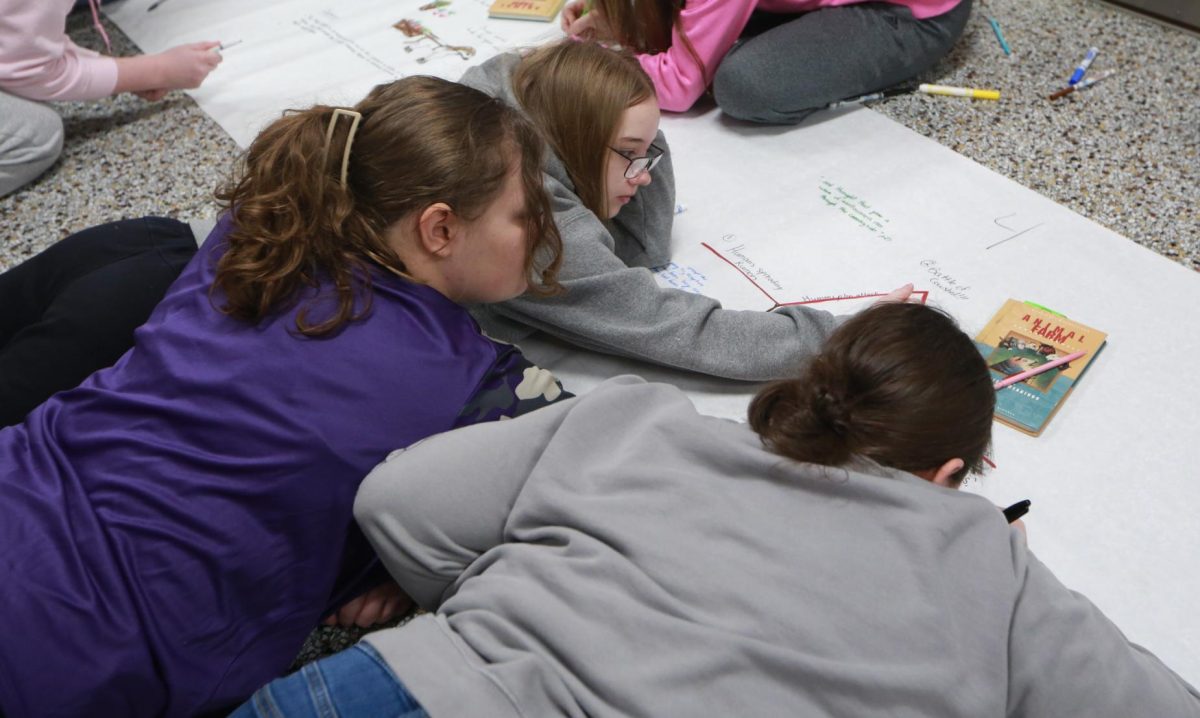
[638,165]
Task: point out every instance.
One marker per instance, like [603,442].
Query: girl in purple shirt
[172,529]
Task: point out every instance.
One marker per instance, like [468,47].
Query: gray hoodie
[621,555]
[613,304]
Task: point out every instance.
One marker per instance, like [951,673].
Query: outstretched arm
[1067,658]
[180,68]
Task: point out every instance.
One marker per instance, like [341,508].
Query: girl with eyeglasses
[610,176]
[172,529]
[773,61]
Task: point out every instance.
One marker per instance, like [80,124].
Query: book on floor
[540,10]
[1022,336]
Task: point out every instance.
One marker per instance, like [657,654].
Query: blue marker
[1083,66]
[999,35]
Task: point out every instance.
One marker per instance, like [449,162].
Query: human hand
[184,67]
[900,294]
[572,12]
[380,604]
[589,24]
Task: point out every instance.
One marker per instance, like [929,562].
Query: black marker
[872,96]
[1016,511]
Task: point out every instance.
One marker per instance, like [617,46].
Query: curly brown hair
[421,140]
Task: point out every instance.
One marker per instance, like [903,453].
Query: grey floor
[1124,153]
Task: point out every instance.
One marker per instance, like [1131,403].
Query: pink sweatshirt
[712,26]
[38,61]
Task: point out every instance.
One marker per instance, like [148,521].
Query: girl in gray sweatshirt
[620,554]
[598,110]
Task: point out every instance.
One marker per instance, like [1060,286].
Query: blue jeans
[355,682]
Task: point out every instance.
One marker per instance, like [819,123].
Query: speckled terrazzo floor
[1125,153]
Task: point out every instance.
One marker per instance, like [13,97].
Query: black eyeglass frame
[647,161]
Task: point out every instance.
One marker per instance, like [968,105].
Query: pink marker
[1037,370]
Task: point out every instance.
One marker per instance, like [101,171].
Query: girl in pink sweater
[773,61]
[38,62]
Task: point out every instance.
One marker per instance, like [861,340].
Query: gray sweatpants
[31,138]
[786,66]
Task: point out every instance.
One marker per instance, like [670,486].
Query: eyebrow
[632,139]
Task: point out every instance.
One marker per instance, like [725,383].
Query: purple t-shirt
[172,529]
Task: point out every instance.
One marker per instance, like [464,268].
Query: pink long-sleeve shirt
[713,26]
[38,61]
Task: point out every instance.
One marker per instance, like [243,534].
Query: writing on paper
[317,26]
[943,280]
[679,276]
[738,257]
[854,208]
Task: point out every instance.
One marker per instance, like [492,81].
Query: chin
[517,291]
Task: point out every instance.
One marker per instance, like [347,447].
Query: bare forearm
[142,72]
[180,68]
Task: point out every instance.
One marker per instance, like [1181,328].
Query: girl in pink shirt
[38,62]
[773,61]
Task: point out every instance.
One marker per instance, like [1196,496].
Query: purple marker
[1083,66]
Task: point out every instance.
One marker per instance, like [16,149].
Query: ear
[437,229]
[944,474]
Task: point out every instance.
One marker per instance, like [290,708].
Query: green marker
[1046,309]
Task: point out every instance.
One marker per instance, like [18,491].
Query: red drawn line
[707,246]
[924,293]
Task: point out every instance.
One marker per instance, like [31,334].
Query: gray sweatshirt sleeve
[1067,659]
[432,509]
[613,308]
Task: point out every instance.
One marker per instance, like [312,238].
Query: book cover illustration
[1020,337]
[541,10]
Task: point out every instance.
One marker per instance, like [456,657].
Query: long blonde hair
[421,140]
[576,92]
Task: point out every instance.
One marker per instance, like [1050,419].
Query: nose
[642,179]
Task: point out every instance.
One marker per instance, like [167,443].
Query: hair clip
[356,117]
